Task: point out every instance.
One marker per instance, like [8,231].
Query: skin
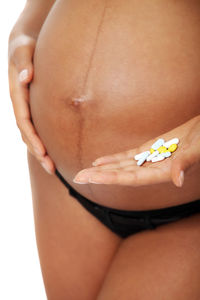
[21,47]
[125,102]
[162,75]
[120,168]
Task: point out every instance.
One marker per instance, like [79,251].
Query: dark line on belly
[81,120]
[95,46]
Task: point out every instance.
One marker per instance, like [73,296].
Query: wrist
[31,19]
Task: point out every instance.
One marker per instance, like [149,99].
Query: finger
[84,174]
[25,70]
[143,176]
[109,166]
[46,162]
[19,96]
[117,157]
[182,162]
[21,56]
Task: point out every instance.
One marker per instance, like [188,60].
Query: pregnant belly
[109,76]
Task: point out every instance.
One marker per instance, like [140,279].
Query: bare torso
[109,76]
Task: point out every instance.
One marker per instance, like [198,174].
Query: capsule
[171,142]
[154,154]
[158,144]
[142,155]
[172,148]
[158,158]
[166,154]
[141,161]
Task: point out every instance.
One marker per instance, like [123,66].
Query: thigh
[75,249]
[157,264]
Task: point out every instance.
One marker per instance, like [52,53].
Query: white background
[20,274]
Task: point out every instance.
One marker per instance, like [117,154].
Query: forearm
[31,18]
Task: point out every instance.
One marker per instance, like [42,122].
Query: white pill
[142,155]
[166,154]
[157,144]
[158,158]
[141,161]
[155,153]
[170,142]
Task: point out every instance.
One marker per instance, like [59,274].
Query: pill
[166,154]
[155,153]
[162,149]
[142,155]
[141,161]
[158,144]
[152,150]
[170,142]
[158,158]
[172,148]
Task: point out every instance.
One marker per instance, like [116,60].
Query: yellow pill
[162,149]
[152,150]
[172,148]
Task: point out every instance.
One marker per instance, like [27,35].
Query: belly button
[78,101]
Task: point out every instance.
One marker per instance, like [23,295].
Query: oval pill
[172,148]
[158,158]
[170,142]
[162,149]
[157,144]
[154,154]
[142,155]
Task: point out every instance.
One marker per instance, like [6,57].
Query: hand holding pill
[163,159]
[159,151]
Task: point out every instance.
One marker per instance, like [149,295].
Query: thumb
[184,160]
[23,61]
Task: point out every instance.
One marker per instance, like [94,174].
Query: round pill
[162,149]
[152,150]
[172,148]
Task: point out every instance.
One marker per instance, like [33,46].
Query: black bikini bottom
[127,222]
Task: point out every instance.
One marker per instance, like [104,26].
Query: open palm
[122,169]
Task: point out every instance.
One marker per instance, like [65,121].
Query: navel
[78,101]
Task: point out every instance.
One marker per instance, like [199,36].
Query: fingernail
[80,182]
[80,179]
[181,178]
[23,75]
[46,168]
[82,176]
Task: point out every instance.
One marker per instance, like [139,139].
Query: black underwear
[127,222]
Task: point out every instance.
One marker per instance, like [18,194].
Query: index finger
[117,157]
[20,96]
[139,177]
